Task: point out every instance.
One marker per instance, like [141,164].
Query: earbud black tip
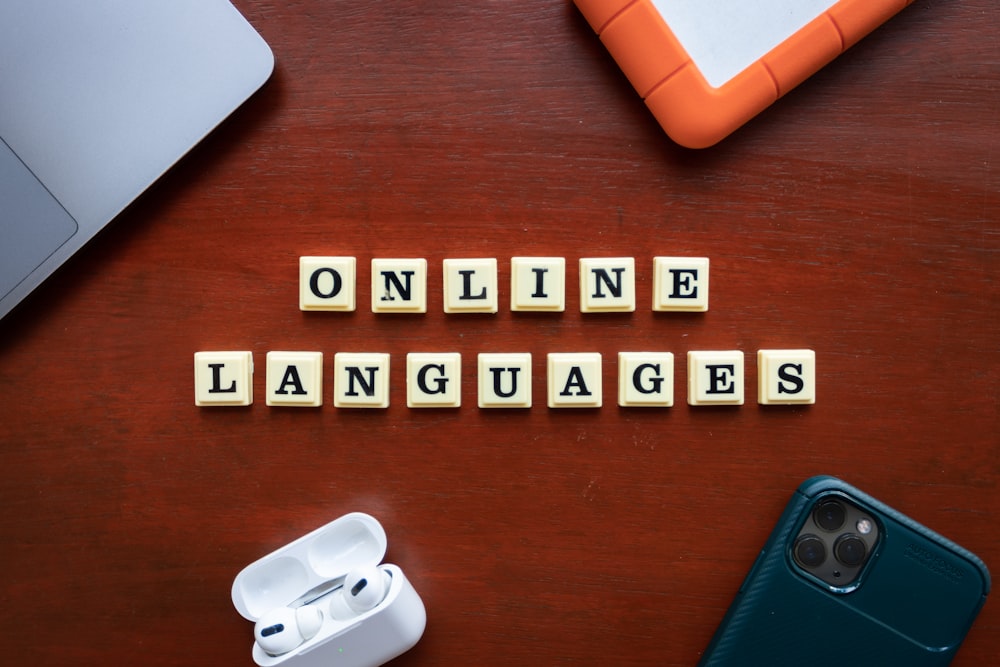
[272,630]
[358,587]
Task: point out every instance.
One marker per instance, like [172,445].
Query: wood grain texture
[856,217]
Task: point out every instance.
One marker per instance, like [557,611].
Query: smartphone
[846,580]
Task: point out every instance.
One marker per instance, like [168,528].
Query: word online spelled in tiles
[504,380]
[607,284]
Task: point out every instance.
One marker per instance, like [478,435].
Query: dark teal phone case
[913,605]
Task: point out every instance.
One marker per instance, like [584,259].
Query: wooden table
[856,217]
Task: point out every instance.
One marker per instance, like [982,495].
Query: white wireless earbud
[363,590]
[285,629]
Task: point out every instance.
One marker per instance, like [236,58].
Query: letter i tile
[538,283]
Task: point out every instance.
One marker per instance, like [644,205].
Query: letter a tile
[574,380]
[295,379]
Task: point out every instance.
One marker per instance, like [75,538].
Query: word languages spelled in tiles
[504,380]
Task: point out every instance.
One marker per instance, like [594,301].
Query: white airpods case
[326,555]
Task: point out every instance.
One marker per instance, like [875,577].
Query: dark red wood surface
[858,217]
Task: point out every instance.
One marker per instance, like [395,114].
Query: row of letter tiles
[573,380]
[607,284]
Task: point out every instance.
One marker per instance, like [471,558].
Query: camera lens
[850,550]
[809,551]
[829,515]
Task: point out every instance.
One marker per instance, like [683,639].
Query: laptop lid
[97,100]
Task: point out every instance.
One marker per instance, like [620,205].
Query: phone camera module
[835,542]
[830,515]
[810,551]
[850,550]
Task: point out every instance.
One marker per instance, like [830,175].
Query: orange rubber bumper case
[694,112]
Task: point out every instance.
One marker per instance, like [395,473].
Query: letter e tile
[680,284]
[786,377]
[223,378]
[715,378]
[295,379]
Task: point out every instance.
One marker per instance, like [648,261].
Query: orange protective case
[690,110]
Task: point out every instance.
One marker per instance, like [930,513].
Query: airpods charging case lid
[331,551]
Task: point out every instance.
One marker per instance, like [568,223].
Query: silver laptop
[97,99]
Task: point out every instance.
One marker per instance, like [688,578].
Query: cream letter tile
[646,379]
[786,377]
[327,283]
[607,284]
[361,380]
[470,285]
[433,379]
[538,283]
[680,284]
[223,378]
[505,380]
[715,378]
[295,379]
[399,285]
[574,380]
